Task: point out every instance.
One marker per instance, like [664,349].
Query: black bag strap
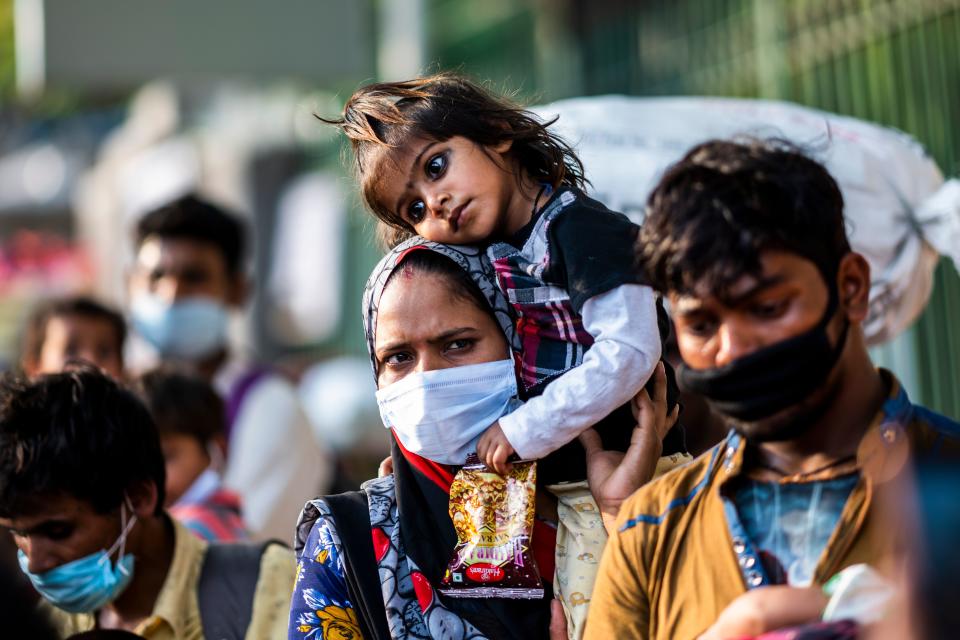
[228,582]
[352,517]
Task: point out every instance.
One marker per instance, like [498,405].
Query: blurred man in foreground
[82,489]
[748,242]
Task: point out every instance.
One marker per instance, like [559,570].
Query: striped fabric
[551,333]
[216,518]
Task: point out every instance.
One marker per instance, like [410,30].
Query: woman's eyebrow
[413,169]
[440,337]
[391,346]
[452,333]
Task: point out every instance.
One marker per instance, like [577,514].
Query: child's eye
[436,165]
[415,211]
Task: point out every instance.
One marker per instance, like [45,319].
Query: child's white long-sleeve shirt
[626,348]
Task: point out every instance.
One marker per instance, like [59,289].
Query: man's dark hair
[76,433]
[717,209]
[182,404]
[35,332]
[191,218]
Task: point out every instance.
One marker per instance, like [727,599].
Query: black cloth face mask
[770,379]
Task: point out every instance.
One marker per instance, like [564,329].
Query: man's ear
[143,497]
[853,285]
[239,290]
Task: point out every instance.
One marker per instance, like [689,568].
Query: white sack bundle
[900,213]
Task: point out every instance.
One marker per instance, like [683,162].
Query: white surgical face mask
[441,414]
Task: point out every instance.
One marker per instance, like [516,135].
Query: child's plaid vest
[551,333]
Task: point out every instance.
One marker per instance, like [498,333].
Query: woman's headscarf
[471,259]
[423,486]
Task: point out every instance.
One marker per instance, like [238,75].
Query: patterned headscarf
[470,259]
[421,532]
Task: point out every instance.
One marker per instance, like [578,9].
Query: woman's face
[422,326]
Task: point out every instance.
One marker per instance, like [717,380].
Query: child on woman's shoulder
[445,159]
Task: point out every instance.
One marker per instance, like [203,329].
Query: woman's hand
[558,621]
[613,476]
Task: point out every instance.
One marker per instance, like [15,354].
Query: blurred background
[111,107]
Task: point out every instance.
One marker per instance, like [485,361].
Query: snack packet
[493,517]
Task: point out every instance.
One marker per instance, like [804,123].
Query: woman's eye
[415,211]
[460,345]
[395,359]
[435,166]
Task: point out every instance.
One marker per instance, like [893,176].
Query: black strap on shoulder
[352,517]
[225,591]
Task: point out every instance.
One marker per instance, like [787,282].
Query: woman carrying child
[370,562]
[443,158]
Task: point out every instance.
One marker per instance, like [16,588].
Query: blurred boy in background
[190,419]
[74,328]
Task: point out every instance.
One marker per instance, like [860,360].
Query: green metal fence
[896,62]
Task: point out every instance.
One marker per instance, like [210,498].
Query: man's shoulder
[277,560]
[668,495]
[271,599]
[935,435]
[65,624]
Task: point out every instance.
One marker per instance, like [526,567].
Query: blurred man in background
[188,278]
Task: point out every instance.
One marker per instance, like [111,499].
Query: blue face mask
[88,583]
[190,328]
[441,414]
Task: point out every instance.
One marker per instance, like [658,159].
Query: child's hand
[494,449]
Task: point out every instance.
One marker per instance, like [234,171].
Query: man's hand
[494,449]
[759,611]
[613,476]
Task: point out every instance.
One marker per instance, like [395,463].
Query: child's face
[455,191]
[185,458]
[78,337]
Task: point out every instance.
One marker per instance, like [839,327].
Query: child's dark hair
[35,331]
[192,218]
[384,116]
[76,433]
[182,404]
[717,209]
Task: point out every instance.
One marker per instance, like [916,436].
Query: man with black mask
[748,242]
